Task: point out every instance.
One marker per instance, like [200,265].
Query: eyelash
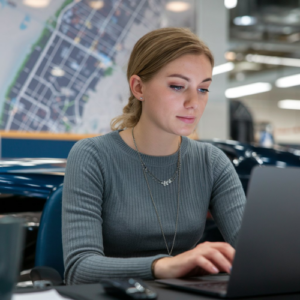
[204,91]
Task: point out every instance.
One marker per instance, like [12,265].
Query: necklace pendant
[166,182]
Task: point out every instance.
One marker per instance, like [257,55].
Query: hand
[205,258]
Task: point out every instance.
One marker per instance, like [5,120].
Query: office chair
[49,263]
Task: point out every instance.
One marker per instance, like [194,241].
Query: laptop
[267,259]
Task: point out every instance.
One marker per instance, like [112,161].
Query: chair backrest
[49,241]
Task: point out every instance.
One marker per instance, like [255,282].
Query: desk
[95,292]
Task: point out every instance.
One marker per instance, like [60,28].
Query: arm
[227,198]
[83,196]
[227,205]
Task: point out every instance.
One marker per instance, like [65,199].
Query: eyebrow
[186,78]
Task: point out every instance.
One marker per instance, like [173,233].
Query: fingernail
[215,270]
[230,269]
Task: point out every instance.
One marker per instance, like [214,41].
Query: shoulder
[210,158]
[205,151]
[93,150]
[93,144]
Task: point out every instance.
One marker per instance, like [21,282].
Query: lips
[188,120]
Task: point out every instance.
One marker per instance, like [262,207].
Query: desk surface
[96,292]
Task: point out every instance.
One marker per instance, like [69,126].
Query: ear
[136,87]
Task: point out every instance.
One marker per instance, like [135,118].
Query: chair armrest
[46,273]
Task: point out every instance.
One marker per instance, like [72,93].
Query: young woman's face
[175,98]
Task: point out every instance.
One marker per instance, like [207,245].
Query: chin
[185,131]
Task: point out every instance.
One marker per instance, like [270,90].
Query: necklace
[162,182]
[155,208]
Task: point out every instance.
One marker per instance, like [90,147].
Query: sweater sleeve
[83,196]
[227,198]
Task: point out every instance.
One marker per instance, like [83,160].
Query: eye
[176,87]
[204,91]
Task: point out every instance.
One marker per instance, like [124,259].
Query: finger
[219,260]
[226,249]
[207,265]
[197,271]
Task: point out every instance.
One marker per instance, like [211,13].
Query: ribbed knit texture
[109,225]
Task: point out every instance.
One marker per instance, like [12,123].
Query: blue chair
[49,253]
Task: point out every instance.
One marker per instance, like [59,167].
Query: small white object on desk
[44,295]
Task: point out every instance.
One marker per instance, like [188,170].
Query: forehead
[189,64]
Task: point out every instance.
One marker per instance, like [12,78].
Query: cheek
[204,101]
[170,99]
[164,100]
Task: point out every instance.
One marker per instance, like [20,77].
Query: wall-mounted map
[63,67]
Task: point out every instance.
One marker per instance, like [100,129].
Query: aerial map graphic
[66,70]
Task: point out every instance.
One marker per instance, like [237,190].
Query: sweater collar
[149,160]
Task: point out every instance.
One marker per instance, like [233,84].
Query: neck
[150,141]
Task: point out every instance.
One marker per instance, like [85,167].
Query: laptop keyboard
[217,286]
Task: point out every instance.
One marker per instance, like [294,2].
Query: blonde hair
[151,53]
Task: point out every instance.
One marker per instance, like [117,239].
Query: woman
[135,200]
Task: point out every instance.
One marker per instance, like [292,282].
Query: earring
[141,98]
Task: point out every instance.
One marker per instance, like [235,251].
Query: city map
[73,77]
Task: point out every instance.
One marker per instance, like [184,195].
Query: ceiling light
[57,72]
[223,68]
[177,6]
[244,21]
[230,3]
[249,89]
[36,3]
[273,60]
[292,18]
[288,81]
[289,104]
[96,4]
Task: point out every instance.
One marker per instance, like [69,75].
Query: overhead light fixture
[249,89]
[273,60]
[57,72]
[36,3]
[230,3]
[289,104]
[244,21]
[178,6]
[96,4]
[288,81]
[223,68]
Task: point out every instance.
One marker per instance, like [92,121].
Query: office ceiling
[273,30]
[273,21]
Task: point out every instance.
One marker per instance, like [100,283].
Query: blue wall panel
[17,148]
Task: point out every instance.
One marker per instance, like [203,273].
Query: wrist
[153,267]
[159,268]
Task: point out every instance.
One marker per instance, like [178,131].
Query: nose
[191,101]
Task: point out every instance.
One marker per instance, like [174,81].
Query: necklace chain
[155,208]
[162,182]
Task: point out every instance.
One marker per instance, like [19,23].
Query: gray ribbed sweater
[109,225]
